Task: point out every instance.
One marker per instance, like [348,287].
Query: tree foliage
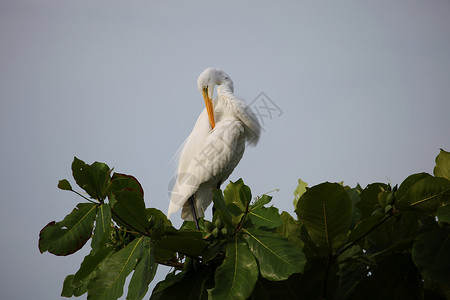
[377,242]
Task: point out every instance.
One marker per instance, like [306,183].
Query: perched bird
[214,147]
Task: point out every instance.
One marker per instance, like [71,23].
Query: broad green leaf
[190,225]
[443,214]
[235,211]
[237,193]
[69,235]
[129,210]
[431,254]
[102,227]
[383,234]
[64,185]
[290,229]
[397,247]
[426,194]
[158,222]
[369,198]
[110,276]
[90,264]
[69,289]
[277,257]
[189,284]
[408,182]
[261,201]
[156,215]
[120,182]
[237,275]
[220,205]
[442,168]
[351,272]
[364,227]
[144,273]
[326,211]
[354,197]
[94,179]
[260,292]
[284,289]
[186,242]
[265,217]
[395,277]
[299,191]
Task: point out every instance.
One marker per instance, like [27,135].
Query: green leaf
[186,242]
[68,288]
[285,289]
[237,275]
[426,194]
[431,255]
[326,211]
[187,285]
[442,168]
[369,198]
[121,182]
[299,191]
[260,292]
[395,277]
[237,193]
[265,217]
[354,197]
[219,204]
[129,210]
[290,229]
[64,185]
[90,264]
[277,257]
[263,200]
[156,215]
[364,227]
[351,272]
[443,214]
[408,182]
[110,276]
[102,227]
[69,235]
[144,273]
[94,179]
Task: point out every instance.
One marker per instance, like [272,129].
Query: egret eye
[205,89]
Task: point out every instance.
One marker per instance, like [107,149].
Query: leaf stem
[339,252]
[124,230]
[84,197]
[241,223]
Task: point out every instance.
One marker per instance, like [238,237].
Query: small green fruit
[388,208]
[218,223]
[215,232]
[224,231]
[209,226]
[390,199]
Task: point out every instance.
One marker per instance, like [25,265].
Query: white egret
[214,147]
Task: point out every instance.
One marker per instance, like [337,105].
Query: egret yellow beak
[209,108]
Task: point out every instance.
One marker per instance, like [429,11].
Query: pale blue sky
[363,88]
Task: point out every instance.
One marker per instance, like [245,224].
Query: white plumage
[215,145]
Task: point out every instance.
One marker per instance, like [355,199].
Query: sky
[352,91]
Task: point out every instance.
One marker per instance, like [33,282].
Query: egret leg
[194,214]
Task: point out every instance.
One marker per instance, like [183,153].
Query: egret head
[206,82]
